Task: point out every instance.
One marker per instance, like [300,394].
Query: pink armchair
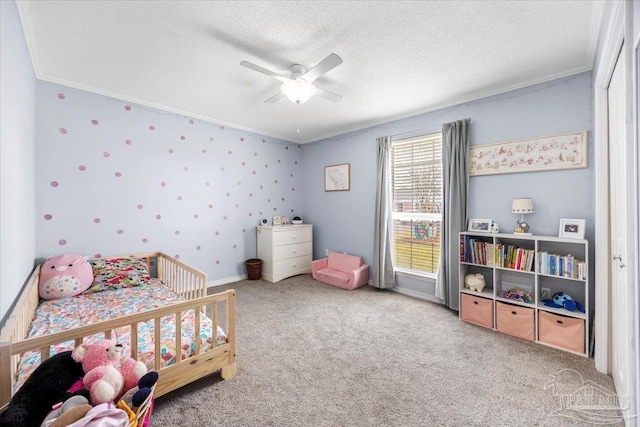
[341,270]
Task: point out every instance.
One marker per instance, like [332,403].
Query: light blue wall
[344,220]
[17,169]
[114,178]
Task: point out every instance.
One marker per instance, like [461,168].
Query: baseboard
[419,295]
[226,281]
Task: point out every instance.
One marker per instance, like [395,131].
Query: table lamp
[522,206]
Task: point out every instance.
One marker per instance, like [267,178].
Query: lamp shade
[298,91]
[522,206]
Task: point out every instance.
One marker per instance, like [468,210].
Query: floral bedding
[66,313]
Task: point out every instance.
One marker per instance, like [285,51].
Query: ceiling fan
[299,87]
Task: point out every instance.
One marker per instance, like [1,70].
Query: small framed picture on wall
[571,228]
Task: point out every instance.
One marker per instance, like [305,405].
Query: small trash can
[254,268]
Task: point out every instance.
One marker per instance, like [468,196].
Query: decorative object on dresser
[276,220]
[522,207]
[285,251]
[571,228]
[296,220]
[521,273]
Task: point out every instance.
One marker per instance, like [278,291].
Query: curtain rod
[416,130]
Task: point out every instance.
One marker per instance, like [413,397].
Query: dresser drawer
[291,251]
[561,331]
[291,266]
[287,237]
[515,320]
[476,310]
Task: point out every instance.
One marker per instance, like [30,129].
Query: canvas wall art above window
[552,152]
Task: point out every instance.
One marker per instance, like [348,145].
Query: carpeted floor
[309,354]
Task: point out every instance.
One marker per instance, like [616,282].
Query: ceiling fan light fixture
[298,91]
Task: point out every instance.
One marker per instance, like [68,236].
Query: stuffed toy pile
[80,388]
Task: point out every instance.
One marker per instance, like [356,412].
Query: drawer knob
[294,251]
[560,322]
[514,312]
[294,265]
[475,302]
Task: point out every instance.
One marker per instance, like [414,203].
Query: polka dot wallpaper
[115,178]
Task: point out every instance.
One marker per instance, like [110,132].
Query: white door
[620,298]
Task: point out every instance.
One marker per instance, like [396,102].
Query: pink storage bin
[515,320]
[561,331]
[476,310]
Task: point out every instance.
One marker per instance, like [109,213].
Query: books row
[561,265]
[496,254]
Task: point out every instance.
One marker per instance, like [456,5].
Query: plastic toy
[563,300]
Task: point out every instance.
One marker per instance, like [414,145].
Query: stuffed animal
[563,300]
[101,362]
[69,412]
[47,385]
[64,276]
[475,282]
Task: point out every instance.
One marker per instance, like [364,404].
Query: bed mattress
[65,313]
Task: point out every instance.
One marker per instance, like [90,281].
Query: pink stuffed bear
[64,276]
[105,377]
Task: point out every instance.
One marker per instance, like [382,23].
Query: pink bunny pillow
[64,276]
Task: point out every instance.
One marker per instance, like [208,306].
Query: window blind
[416,187]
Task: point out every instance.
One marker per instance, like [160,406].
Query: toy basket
[143,414]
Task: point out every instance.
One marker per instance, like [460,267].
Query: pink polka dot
[276,181]
[217,233]
[152,127]
[62,242]
[255,154]
[207,183]
[286,148]
[177,232]
[191,121]
[230,152]
[263,141]
[250,214]
[106,154]
[282,199]
[221,127]
[164,184]
[140,206]
[96,220]
[291,175]
[54,183]
[204,151]
[293,189]
[261,187]
[266,166]
[254,172]
[222,168]
[94,122]
[158,216]
[235,246]
[228,194]
[217,261]
[118,174]
[120,231]
[211,138]
[128,142]
[170,150]
[182,137]
[195,216]
[260,213]
[48,217]
[250,194]
[241,139]
[145,240]
[176,256]
[268,200]
[82,168]
[237,205]
[210,206]
[296,162]
[275,209]
[127,107]
[179,197]
[185,168]
[61,95]
[244,230]
[197,248]
[278,160]
[243,163]
[239,182]
[224,218]
[62,130]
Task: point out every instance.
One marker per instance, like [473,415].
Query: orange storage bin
[515,320]
[561,331]
[476,310]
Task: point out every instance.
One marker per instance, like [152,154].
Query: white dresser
[285,250]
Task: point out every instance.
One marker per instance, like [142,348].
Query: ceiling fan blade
[324,66]
[275,98]
[259,69]
[333,97]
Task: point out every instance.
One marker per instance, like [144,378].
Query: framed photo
[276,220]
[483,225]
[336,177]
[572,228]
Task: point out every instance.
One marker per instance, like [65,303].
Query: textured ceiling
[400,58]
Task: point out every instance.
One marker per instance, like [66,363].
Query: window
[416,194]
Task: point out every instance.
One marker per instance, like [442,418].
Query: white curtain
[382,261]
[455,184]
